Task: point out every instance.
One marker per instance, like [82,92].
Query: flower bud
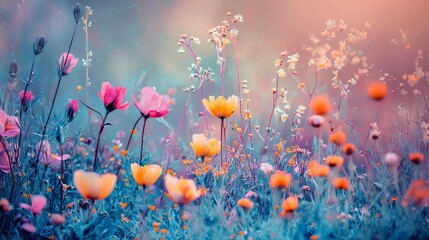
[39,45]
[77,12]
[13,69]
[25,99]
[392,160]
[71,110]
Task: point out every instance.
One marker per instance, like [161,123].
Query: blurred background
[134,43]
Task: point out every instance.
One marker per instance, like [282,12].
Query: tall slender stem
[132,132]
[11,168]
[142,142]
[221,142]
[98,141]
[61,180]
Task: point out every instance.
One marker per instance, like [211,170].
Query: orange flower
[341,183]
[349,149]
[417,194]
[203,147]
[221,107]
[146,175]
[280,179]
[93,186]
[181,191]
[416,157]
[320,105]
[334,161]
[245,203]
[290,204]
[339,137]
[377,90]
[316,169]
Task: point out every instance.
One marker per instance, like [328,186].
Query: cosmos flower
[181,191]
[204,147]
[113,97]
[280,179]
[38,203]
[152,104]
[66,63]
[93,186]
[50,159]
[9,125]
[220,107]
[146,175]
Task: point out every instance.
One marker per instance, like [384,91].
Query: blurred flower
[66,63]
[349,149]
[5,205]
[57,219]
[38,203]
[377,90]
[13,69]
[280,179]
[77,13]
[290,204]
[341,183]
[316,120]
[334,161]
[204,147]
[181,191]
[245,203]
[320,105]
[152,104]
[113,97]
[417,194]
[374,131]
[146,175]
[316,169]
[93,186]
[266,167]
[25,100]
[71,110]
[9,125]
[221,108]
[4,159]
[416,157]
[338,138]
[392,160]
[50,159]
[39,45]
[29,227]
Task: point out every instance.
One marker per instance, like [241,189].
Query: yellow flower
[93,186]
[181,191]
[146,175]
[221,107]
[203,147]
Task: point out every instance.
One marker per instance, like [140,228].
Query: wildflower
[113,97]
[245,203]
[338,138]
[71,110]
[349,148]
[316,120]
[66,63]
[50,159]
[392,160]
[38,203]
[281,73]
[334,161]
[320,105]
[152,104]
[146,175]
[377,90]
[290,204]
[416,158]
[316,169]
[203,147]
[221,108]
[374,131]
[77,13]
[57,219]
[39,45]
[280,179]
[181,191]
[13,69]
[93,186]
[4,159]
[417,194]
[341,183]
[9,125]
[5,205]
[28,227]
[266,167]
[25,100]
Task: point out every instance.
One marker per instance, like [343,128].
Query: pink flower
[29,227]
[51,159]
[113,97]
[4,160]
[71,111]
[9,125]
[152,104]
[27,98]
[66,63]
[38,203]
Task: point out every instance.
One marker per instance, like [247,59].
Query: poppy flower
[221,107]
[320,105]
[146,175]
[66,63]
[341,183]
[280,179]
[204,147]
[152,104]
[334,161]
[113,97]
[38,203]
[377,90]
[9,125]
[349,149]
[93,186]
[417,194]
[316,169]
[416,158]
[181,191]
[245,203]
[290,204]
[338,138]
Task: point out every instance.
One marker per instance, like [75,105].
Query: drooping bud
[39,45]
[77,12]
[13,69]
[71,110]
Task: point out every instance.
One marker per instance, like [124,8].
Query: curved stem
[142,142]
[98,141]
[132,131]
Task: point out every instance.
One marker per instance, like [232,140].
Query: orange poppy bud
[416,157]
[290,204]
[377,90]
[245,203]
[334,161]
[341,183]
[320,105]
[316,169]
[339,138]
[280,179]
[349,149]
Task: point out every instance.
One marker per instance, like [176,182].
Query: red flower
[113,97]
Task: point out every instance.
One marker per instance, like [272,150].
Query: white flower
[266,167]
[301,109]
[181,50]
[281,73]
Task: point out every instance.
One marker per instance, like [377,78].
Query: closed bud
[77,12]
[71,110]
[39,45]
[13,69]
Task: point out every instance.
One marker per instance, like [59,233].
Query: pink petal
[29,227]
[104,86]
[4,162]
[38,203]
[25,206]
